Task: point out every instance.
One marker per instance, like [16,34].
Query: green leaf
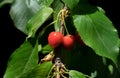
[57,6]
[46,49]
[22,10]
[22,60]
[43,70]
[98,32]
[5,2]
[94,74]
[45,2]
[111,69]
[38,19]
[40,71]
[76,74]
[71,3]
[119,42]
[101,10]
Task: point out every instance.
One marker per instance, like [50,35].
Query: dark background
[11,38]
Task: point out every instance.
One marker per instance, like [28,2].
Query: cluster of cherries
[55,39]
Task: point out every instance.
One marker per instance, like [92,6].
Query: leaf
[22,11]
[46,49]
[5,2]
[38,19]
[98,32]
[76,74]
[71,3]
[57,6]
[40,71]
[94,74]
[22,60]
[111,69]
[101,10]
[119,42]
[45,2]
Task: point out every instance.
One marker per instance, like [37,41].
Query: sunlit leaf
[21,12]
[98,32]
[57,6]
[76,74]
[46,49]
[45,2]
[38,19]
[22,60]
[40,71]
[71,3]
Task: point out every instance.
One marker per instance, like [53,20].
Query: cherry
[55,39]
[68,42]
[79,40]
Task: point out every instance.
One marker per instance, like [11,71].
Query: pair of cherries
[55,39]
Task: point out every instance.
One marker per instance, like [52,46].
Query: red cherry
[55,39]
[68,42]
[79,40]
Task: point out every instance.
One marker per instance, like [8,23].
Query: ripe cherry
[55,39]
[79,40]
[68,42]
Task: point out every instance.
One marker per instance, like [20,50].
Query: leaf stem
[40,33]
[65,27]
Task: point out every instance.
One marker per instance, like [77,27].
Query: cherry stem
[65,8]
[63,19]
[46,27]
[66,28]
